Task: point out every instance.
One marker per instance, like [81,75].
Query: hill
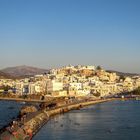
[5,75]
[21,71]
[124,74]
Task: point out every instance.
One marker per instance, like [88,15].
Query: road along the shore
[31,127]
[22,100]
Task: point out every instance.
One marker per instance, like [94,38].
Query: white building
[75,86]
[90,67]
[82,92]
[31,88]
[53,85]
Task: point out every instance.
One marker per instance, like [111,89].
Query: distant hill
[21,71]
[124,74]
[5,75]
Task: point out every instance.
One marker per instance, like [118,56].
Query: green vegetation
[137,91]
[122,77]
[97,94]
[99,68]
[5,88]
[23,96]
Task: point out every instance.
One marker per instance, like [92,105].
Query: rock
[28,109]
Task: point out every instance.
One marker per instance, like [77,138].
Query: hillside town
[76,86]
[71,81]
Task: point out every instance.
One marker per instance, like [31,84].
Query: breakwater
[106,121]
[33,125]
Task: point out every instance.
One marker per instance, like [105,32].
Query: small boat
[23,103]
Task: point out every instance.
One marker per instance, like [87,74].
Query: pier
[34,123]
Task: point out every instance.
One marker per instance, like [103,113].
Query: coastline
[21,100]
[34,124]
[31,127]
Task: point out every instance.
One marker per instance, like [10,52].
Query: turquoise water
[116,120]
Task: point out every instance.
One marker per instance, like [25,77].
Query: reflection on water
[117,120]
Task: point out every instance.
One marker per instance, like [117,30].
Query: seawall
[31,127]
[38,121]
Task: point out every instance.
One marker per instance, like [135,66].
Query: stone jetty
[38,119]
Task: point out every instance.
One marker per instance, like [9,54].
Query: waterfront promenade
[22,100]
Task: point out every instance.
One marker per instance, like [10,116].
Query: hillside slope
[23,71]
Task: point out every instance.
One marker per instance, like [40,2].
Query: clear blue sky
[53,33]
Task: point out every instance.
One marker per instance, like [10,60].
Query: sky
[55,33]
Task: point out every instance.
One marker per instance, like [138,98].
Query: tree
[137,91]
[97,94]
[99,68]
[122,77]
[5,88]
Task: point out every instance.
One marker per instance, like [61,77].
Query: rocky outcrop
[28,109]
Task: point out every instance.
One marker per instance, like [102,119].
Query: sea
[114,120]
[9,110]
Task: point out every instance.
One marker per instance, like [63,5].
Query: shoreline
[36,123]
[21,100]
[31,127]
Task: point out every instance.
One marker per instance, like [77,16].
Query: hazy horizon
[50,34]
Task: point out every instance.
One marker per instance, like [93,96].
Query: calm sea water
[117,120]
[8,111]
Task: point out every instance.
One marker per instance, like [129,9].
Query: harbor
[35,122]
